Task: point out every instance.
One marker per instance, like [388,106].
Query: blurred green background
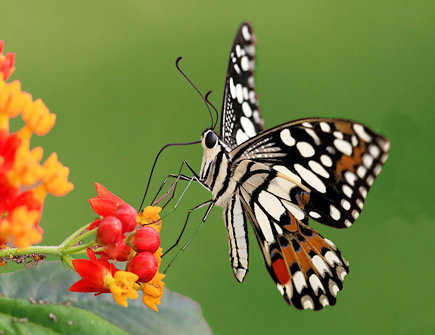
[106,68]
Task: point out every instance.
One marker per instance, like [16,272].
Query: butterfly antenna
[190,82]
[154,165]
[217,114]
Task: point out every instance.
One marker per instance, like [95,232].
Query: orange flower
[150,217]
[153,291]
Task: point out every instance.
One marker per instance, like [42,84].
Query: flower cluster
[123,235]
[24,181]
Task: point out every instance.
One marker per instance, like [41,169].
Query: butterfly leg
[173,186]
[211,204]
[208,202]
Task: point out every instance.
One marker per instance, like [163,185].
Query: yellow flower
[27,170]
[21,225]
[38,118]
[55,176]
[153,291]
[122,287]
[150,217]
[12,102]
[158,255]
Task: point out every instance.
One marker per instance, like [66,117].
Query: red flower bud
[127,214]
[145,239]
[109,231]
[115,250]
[125,251]
[144,265]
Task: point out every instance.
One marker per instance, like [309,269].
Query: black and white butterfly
[277,179]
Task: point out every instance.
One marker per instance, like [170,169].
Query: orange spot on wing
[303,199]
[349,162]
[344,127]
[316,243]
[293,226]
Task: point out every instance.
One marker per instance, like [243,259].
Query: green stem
[67,260]
[78,248]
[80,238]
[68,240]
[38,249]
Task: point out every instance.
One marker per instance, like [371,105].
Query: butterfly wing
[307,269]
[333,161]
[241,118]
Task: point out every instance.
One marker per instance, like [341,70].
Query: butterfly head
[212,148]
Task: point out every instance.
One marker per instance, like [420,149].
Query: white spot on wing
[299,281]
[244,62]
[332,258]
[314,215]
[317,168]
[241,137]
[333,288]
[246,34]
[360,131]
[361,171]
[239,93]
[363,191]
[305,149]
[287,138]
[350,178]
[348,191]
[271,204]
[325,127]
[343,146]
[238,50]
[264,223]
[345,204]
[334,212]
[232,88]
[338,134]
[310,178]
[248,126]
[374,150]
[246,109]
[341,272]
[307,302]
[320,265]
[367,160]
[324,300]
[316,284]
[326,160]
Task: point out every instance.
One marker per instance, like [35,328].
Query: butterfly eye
[210,140]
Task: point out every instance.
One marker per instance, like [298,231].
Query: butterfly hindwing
[307,269]
[241,118]
[334,161]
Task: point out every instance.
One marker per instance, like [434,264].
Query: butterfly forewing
[335,162]
[241,118]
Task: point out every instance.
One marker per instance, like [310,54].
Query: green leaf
[49,282]
[22,317]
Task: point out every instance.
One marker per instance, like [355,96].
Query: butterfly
[278,179]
